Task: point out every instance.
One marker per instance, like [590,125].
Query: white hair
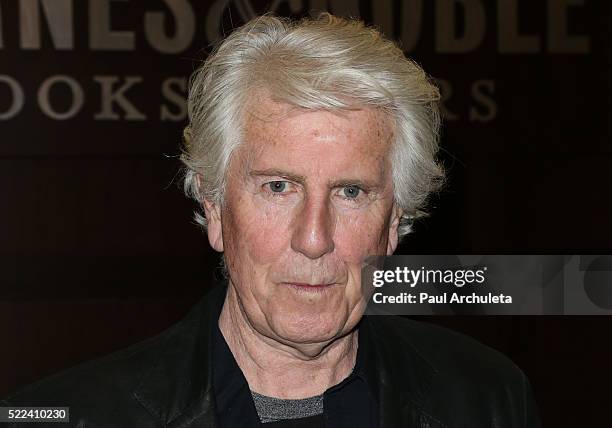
[324,63]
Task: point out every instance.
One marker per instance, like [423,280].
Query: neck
[282,369]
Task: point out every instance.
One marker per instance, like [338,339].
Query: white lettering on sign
[184,23]
[559,39]
[482,92]
[18,98]
[58,14]
[474,17]
[509,40]
[173,89]
[481,105]
[500,20]
[101,37]
[78,98]
[110,97]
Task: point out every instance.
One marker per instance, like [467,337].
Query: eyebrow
[367,185]
[278,173]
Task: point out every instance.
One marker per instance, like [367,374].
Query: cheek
[362,234]
[258,232]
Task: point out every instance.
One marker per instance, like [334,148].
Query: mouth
[302,286]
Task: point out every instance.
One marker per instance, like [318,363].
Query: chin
[307,327]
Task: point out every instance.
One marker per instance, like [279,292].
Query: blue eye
[278,186]
[351,192]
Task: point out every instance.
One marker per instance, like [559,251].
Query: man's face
[309,195]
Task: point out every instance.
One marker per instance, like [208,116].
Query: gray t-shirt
[271,409]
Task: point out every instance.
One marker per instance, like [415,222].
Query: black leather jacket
[426,376]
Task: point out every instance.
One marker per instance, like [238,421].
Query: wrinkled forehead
[361,132]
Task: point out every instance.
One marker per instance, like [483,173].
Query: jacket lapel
[178,387]
[400,376]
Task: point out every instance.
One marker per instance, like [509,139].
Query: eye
[278,186]
[351,192]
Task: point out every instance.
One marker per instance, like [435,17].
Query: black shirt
[350,403]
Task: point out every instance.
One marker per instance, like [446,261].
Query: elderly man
[311,146]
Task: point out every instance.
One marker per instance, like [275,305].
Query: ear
[393,226]
[214,229]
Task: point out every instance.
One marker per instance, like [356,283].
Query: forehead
[346,140]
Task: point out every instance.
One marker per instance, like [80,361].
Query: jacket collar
[177,388]
[402,377]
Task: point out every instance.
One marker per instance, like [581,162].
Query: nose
[313,228]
